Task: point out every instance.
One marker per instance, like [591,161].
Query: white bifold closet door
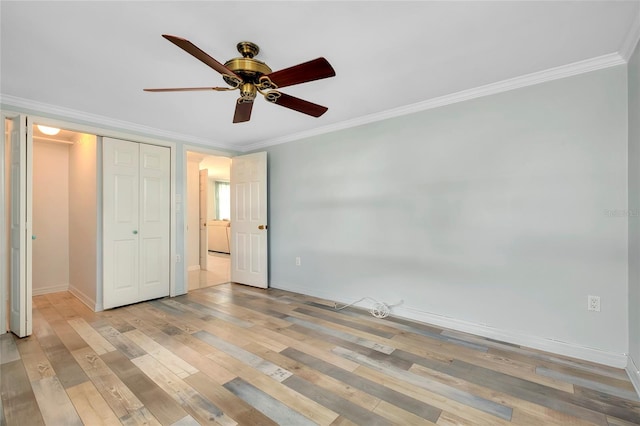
[20,180]
[136,197]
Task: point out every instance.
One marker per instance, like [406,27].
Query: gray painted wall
[504,211]
[634,206]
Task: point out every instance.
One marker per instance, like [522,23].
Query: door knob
[135,232]
[262,226]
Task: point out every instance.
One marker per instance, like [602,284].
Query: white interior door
[120,216]
[249,254]
[204,191]
[21,159]
[136,215]
[154,222]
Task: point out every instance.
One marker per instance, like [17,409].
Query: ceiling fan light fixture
[51,131]
[251,76]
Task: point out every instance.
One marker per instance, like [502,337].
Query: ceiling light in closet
[51,131]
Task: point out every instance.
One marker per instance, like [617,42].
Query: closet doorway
[208,233]
[65,203]
[55,195]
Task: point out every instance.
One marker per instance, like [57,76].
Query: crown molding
[550,74]
[631,40]
[28,105]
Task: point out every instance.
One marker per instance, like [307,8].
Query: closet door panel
[125,255]
[155,175]
[125,203]
[121,233]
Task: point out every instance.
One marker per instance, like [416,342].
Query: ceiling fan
[252,76]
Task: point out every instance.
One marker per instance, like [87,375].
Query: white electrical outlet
[298,262]
[593,303]
[178,258]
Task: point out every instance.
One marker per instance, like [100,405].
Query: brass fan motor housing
[246,67]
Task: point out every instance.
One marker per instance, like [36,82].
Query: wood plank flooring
[231,354]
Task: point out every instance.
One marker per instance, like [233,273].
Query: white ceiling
[92,59]
[218,168]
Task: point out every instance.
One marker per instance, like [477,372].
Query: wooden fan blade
[308,71]
[243,111]
[195,51]
[188,89]
[298,104]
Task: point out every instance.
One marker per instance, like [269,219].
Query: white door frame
[99,131]
[3,236]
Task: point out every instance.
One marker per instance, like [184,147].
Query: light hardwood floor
[232,354]
[218,272]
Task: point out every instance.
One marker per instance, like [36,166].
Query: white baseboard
[50,289]
[612,359]
[634,373]
[91,304]
[193,268]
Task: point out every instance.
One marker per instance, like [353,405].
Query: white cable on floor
[378,310]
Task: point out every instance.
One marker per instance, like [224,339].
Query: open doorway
[62,209]
[208,252]
[65,214]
